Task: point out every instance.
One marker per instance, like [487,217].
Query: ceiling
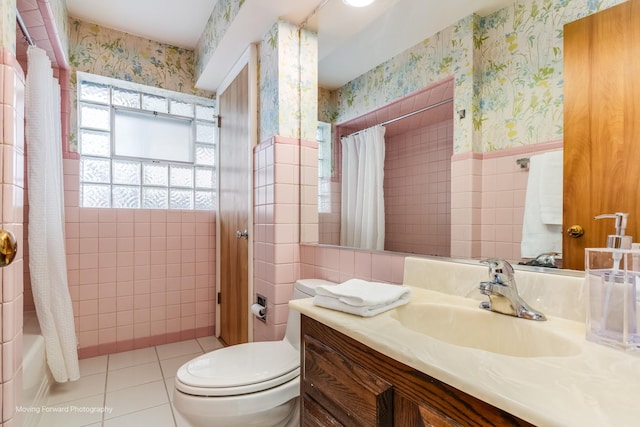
[351,41]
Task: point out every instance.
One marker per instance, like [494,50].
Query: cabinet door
[315,415]
[409,413]
[347,383]
[350,393]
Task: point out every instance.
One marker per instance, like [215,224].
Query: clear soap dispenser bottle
[618,240]
[612,279]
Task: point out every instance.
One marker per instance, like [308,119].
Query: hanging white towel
[551,188]
[362,297]
[538,237]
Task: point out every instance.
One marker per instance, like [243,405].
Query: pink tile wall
[504,185]
[504,189]
[276,231]
[417,187]
[309,227]
[137,277]
[466,191]
[417,180]
[12,189]
[488,198]
[487,203]
[339,264]
[329,218]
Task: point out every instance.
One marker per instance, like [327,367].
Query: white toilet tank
[305,288]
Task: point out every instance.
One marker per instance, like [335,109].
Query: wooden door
[601,126]
[233,212]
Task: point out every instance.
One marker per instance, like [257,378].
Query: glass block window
[143,147]
[325,166]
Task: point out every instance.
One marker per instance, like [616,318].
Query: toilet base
[285,415]
[276,407]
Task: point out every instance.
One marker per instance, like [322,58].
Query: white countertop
[592,386]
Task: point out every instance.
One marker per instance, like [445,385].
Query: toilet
[252,384]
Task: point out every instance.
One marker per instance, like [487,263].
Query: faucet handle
[500,271]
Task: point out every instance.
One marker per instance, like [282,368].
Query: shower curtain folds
[47,258]
[362,216]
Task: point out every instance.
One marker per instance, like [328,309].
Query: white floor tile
[93,365]
[167,351]
[133,376]
[132,358]
[209,343]
[76,413]
[171,366]
[180,420]
[134,399]
[86,386]
[158,416]
[170,384]
[135,386]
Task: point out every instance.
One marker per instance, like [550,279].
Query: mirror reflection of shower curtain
[47,258]
[362,216]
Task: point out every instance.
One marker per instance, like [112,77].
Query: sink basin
[483,330]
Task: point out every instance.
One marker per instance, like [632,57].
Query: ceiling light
[358,3]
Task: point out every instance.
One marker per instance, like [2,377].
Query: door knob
[242,234]
[8,247]
[575,231]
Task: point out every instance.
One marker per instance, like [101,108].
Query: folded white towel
[362,297]
[363,310]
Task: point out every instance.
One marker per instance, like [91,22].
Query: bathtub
[36,378]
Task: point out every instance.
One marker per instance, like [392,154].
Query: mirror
[504,62]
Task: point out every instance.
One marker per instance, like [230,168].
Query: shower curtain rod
[404,116]
[24,30]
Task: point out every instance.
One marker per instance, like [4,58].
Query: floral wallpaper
[288,89]
[308,75]
[507,68]
[448,52]
[268,81]
[326,106]
[106,52]
[61,19]
[521,80]
[224,12]
[8,25]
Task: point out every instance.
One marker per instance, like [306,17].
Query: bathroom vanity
[347,383]
[441,360]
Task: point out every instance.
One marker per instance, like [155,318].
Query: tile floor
[133,388]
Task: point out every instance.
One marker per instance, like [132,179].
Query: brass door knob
[8,247]
[575,231]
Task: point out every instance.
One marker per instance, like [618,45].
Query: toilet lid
[308,286]
[238,366]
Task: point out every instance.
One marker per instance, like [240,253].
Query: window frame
[203,191]
[325,165]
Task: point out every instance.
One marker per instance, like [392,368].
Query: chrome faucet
[503,293]
[547,259]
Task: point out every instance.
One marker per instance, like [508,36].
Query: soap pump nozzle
[618,240]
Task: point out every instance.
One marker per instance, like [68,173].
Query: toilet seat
[239,369]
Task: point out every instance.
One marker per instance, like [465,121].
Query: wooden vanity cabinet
[345,383]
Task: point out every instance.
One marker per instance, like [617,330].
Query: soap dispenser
[611,279]
[618,240]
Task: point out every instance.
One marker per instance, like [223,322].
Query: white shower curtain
[362,217]
[47,259]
